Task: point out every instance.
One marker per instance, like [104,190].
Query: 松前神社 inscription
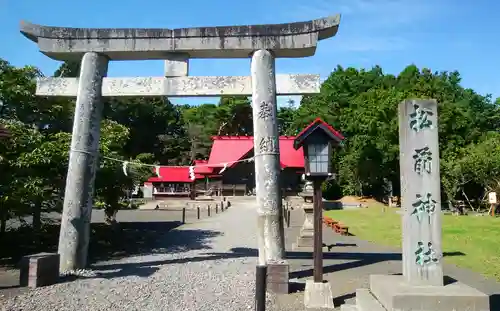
[424,206]
[423,160]
[425,254]
[419,119]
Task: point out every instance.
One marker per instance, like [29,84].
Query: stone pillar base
[392,292]
[305,240]
[39,270]
[278,277]
[318,296]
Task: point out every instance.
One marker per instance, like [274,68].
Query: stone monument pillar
[75,223]
[422,285]
[267,171]
[420,193]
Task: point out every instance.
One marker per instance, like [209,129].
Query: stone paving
[347,267]
[9,276]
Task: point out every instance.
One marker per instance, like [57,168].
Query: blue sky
[438,34]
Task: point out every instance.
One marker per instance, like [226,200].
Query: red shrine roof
[227,149]
[319,121]
[202,168]
[174,174]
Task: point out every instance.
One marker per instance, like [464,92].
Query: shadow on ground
[495,302]
[357,260]
[107,242]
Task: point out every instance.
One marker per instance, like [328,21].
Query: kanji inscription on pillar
[423,160]
[425,254]
[420,192]
[424,206]
[266,110]
[267,144]
[420,118]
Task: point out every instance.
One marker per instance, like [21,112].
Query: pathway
[195,270]
[351,261]
[210,265]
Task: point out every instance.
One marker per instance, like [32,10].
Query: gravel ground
[204,275]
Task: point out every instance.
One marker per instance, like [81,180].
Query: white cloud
[370,25]
[375,13]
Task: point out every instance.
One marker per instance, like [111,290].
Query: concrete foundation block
[395,294]
[278,277]
[349,308]
[366,302]
[308,249]
[305,240]
[318,296]
[39,270]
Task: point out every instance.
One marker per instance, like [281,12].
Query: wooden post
[208,210]
[192,192]
[198,212]
[260,288]
[183,215]
[318,233]
[492,199]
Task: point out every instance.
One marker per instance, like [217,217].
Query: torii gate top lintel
[297,39]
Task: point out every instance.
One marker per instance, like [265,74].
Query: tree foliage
[362,104]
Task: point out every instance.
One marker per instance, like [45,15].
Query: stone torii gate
[95,47]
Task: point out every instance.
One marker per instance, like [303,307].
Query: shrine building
[225,172]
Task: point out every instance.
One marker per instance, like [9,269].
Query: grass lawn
[478,237]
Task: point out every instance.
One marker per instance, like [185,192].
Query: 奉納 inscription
[268,145]
[265,110]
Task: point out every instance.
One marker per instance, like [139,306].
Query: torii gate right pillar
[267,161]
[270,235]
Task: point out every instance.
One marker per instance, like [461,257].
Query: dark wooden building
[226,172]
[238,176]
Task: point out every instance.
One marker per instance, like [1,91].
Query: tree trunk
[37,222]
[467,198]
[110,216]
[3,223]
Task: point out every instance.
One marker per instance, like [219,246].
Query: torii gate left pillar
[95,47]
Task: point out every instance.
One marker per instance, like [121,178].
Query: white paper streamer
[191,173]
[223,169]
[124,168]
[157,171]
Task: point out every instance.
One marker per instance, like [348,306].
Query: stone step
[348,308]
[365,301]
